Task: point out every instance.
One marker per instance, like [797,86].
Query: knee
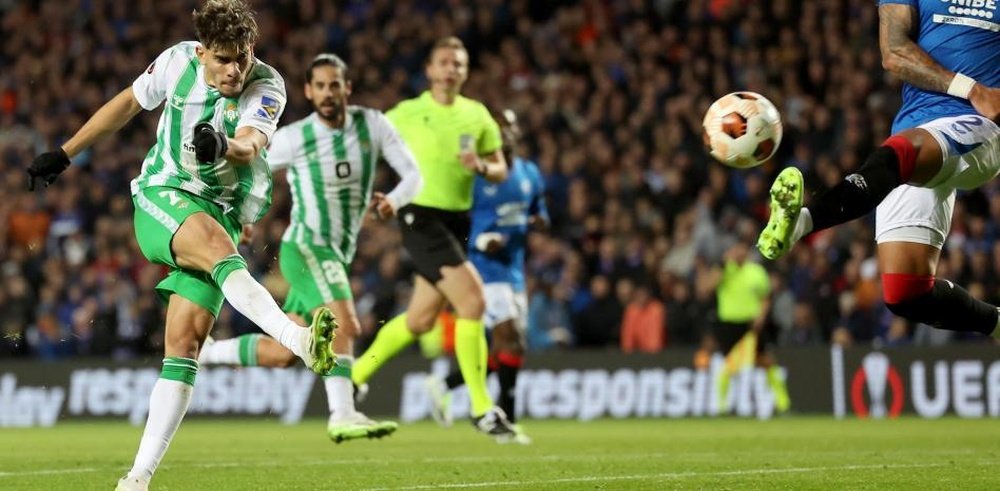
[471,306]
[508,339]
[285,359]
[218,245]
[420,322]
[184,344]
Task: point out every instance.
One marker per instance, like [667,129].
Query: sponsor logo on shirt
[970,13]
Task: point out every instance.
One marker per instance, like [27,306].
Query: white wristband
[961,86]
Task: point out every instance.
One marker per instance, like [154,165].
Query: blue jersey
[504,208]
[960,35]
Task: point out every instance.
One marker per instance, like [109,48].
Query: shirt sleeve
[150,89]
[911,3]
[490,139]
[261,105]
[400,158]
[282,151]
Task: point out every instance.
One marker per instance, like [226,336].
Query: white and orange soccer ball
[742,129]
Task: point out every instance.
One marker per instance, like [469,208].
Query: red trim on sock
[906,154]
[493,363]
[510,359]
[898,287]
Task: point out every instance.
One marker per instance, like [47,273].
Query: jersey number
[343,169]
[334,272]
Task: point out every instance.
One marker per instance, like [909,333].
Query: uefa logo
[878,375]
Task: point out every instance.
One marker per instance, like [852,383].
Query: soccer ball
[742,129]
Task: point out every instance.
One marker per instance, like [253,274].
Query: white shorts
[504,304]
[971,148]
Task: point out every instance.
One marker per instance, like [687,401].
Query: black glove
[209,145]
[47,167]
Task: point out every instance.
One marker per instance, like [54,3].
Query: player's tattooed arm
[900,53]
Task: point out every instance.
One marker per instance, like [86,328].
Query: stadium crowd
[610,95]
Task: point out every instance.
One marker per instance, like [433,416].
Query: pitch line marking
[662,475]
[431,460]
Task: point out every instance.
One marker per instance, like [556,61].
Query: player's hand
[46,167]
[209,145]
[986,101]
[471,161]
[383,208]
[490,242]
[246,235]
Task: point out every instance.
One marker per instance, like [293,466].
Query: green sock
[248,349]
[781,400]
[179,369]
[470,349]
[391,339]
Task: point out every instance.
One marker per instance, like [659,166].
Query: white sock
[253,301]
[803,225]
[222,352]
[339,390]
[167,405]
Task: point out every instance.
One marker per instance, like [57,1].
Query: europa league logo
[878,375]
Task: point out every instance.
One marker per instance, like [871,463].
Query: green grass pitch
[790,453]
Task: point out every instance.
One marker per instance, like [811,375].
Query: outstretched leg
[912,155]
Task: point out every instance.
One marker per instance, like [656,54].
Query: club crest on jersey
[177,102]
[525,187]
[490,190]
[268,107]
[231,112]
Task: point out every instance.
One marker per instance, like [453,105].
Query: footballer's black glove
[209,145]
[46,167]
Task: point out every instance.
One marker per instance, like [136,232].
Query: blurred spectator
[804,330]
[643,327]
[597,325]
[610,110]
[548,317]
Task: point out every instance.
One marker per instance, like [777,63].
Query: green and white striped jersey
[177,77]
[331,172]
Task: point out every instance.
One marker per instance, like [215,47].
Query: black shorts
[727,334]
[434,238]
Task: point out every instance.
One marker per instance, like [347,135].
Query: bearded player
[330,156]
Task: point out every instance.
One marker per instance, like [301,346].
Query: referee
[744,302]
[454,139]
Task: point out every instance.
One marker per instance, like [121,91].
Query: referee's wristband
[961,86]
